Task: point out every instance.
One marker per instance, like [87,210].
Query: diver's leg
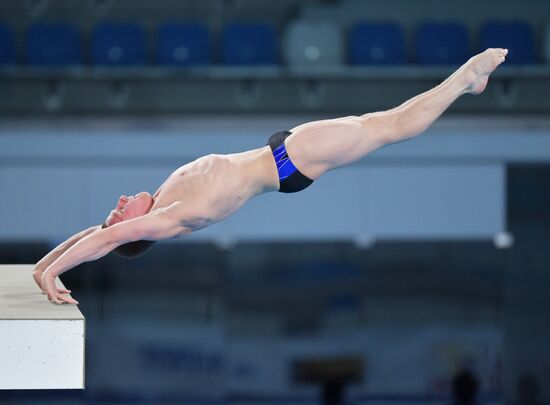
[319,146]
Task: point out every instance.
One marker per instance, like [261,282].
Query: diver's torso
[214,186]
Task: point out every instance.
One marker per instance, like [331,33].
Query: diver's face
[129,207]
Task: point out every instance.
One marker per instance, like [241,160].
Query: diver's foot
[475,73]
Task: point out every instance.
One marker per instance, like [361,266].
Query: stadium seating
[309,44]
[7,46]
[377,44]
[518,37]
[442,44]
[183,45]
[305,44]
[118,44]
[249,44]
[53,45]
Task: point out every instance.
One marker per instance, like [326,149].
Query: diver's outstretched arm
[51,257]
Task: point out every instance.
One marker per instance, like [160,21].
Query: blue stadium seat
[118,44]
[518,37]
[377,44]
[7,46]
[53,45]
[442,44]
[249,44]
[183,45]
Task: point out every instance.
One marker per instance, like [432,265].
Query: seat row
[303,43]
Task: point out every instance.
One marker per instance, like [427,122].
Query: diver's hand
[37,276]
[55,295]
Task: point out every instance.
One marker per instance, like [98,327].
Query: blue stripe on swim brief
[285,167]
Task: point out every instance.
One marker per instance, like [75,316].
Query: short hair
[132,250]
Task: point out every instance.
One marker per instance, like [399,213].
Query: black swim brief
[290,178]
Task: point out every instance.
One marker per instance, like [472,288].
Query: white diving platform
[41,344]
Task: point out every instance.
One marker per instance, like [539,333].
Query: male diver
[212,187]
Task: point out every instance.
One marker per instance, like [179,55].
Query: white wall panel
[42,201]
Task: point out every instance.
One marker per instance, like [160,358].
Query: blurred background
[417,275]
